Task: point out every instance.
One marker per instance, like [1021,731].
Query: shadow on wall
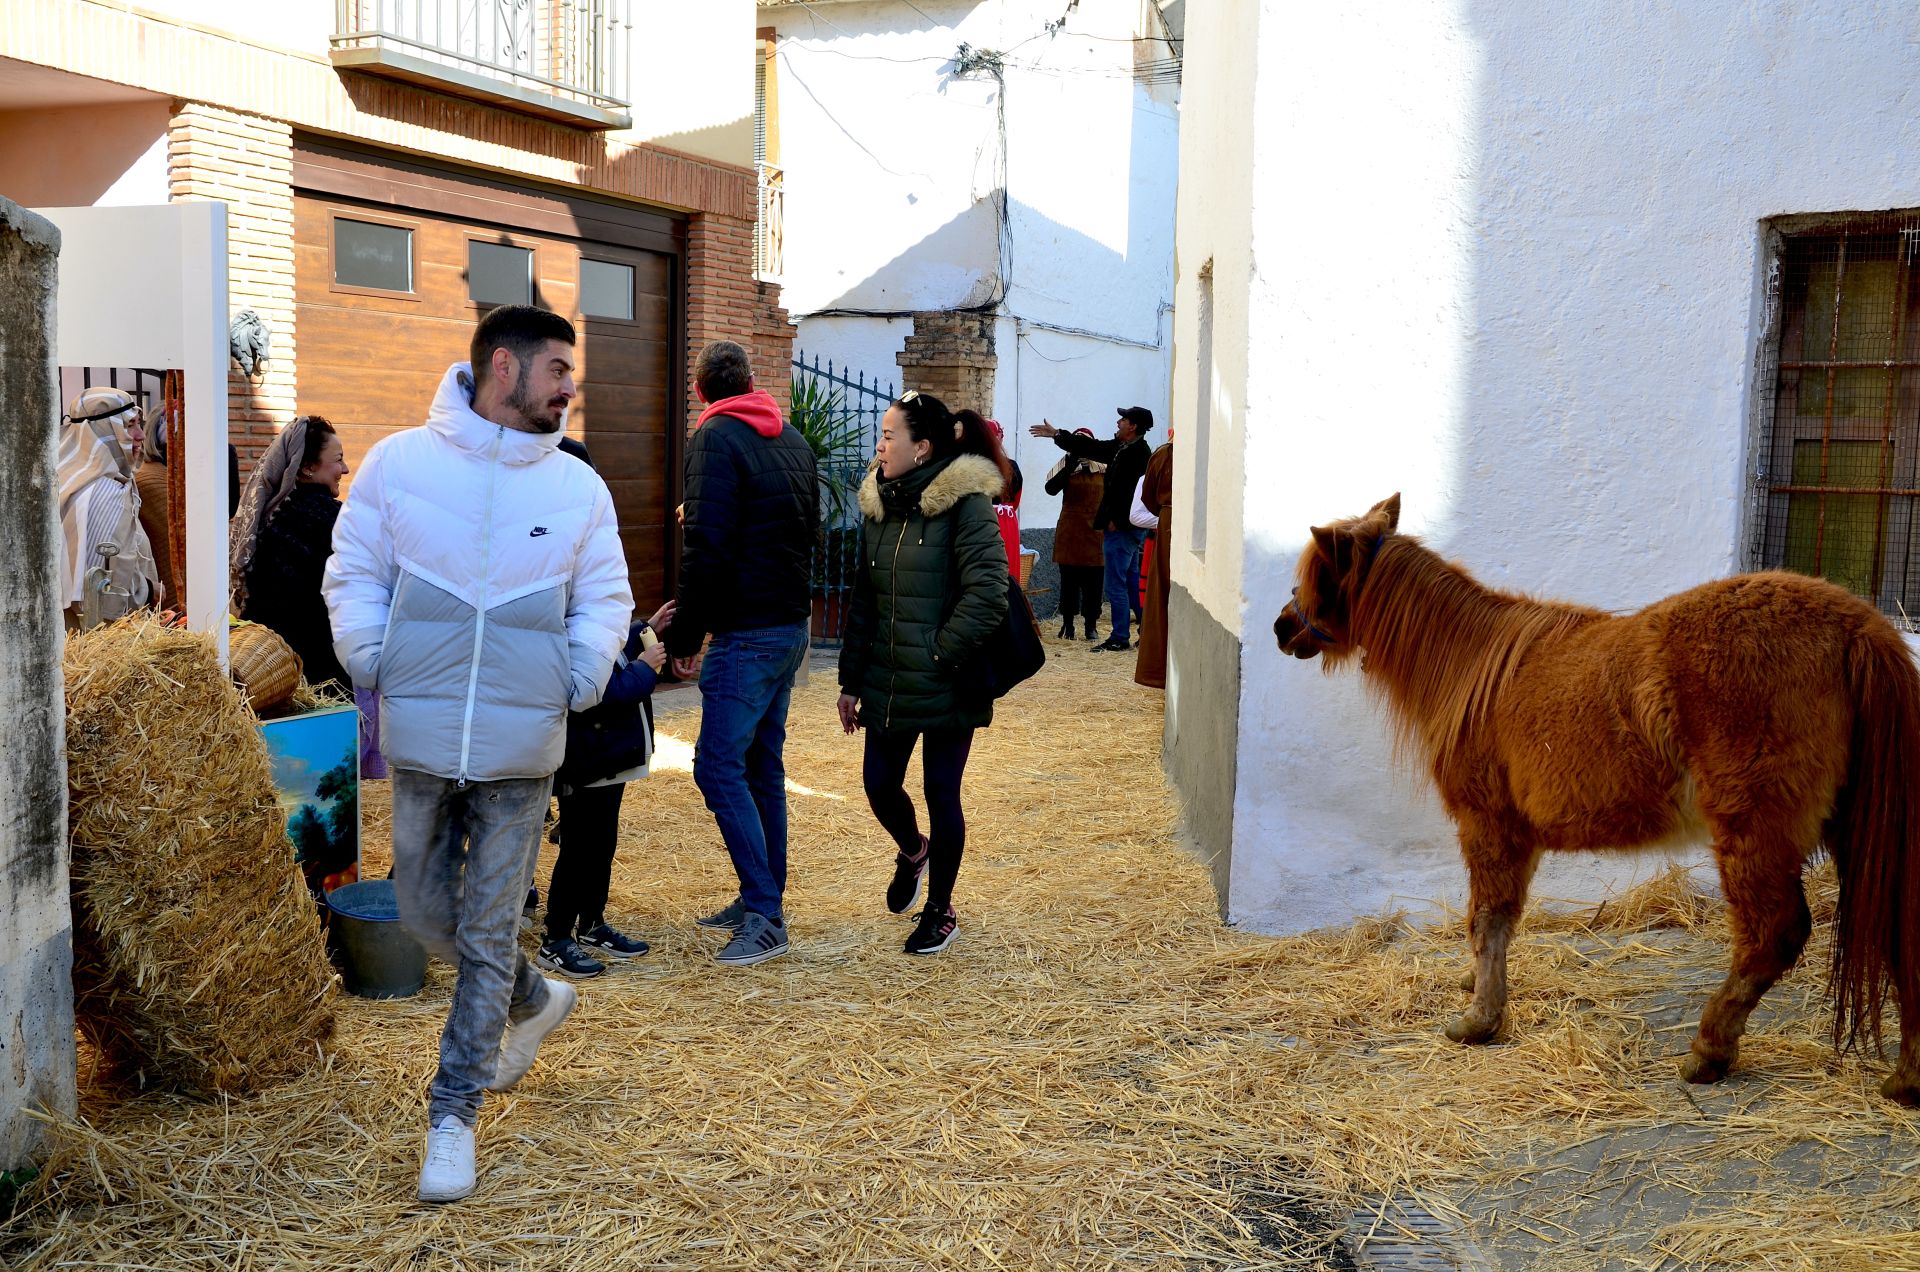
[1003,247]
[957,267]
[41,166]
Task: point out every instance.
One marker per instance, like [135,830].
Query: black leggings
[943,758]
[582,873]
[1082,588]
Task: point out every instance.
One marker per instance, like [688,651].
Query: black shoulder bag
[1011,654]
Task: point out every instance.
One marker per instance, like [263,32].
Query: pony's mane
[1442,646]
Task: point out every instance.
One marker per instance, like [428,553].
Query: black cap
[1142,418]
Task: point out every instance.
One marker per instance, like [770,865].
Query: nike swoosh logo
[536,532]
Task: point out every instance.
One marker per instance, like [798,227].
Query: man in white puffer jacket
[478,583]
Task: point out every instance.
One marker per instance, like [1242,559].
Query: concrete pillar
[950,355]
[36,923]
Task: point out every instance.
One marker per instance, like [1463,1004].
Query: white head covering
[93,445]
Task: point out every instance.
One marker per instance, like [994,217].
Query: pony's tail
[1872,836]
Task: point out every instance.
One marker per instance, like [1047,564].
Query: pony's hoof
[1466,982]
[1700,1070]
[1471,1031]
[1902,1088]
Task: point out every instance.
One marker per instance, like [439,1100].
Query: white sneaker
[522,1041]
[447,1174]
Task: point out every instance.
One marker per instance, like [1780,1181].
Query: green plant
[819,411]
[13,1185]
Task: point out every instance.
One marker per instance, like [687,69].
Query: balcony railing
[565,60]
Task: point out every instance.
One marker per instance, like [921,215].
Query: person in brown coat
[1156,494]
[1077,544]
[150,479]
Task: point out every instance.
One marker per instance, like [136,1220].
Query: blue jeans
[738,764]
[463,857]
[1123,548]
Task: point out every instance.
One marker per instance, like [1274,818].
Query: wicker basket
[263,665]
[1027,557]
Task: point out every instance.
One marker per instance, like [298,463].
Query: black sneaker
[612,941]
[934,932]
[725,919]
[908,874]
[1110,645]
[1092,635]
[567,958]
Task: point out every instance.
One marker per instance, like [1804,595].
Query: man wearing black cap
[1125,456]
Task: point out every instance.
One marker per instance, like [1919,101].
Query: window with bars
[769,231]
[1841,430]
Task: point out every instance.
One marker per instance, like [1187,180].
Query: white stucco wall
[123,164]
[692,79]
[299,26]
[1506,261]
[1214,236]
[894,171]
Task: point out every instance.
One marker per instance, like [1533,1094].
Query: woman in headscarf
[99,506]
[155,506]
[281,538]
[1077,543]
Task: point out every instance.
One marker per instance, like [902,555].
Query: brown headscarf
[272,480]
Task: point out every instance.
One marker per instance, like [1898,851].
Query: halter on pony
[1300,611]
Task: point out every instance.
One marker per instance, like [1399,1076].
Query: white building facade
[972,157]
[1576,282]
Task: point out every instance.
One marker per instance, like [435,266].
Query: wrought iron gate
[839,414]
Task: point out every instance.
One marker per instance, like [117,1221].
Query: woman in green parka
[931,588]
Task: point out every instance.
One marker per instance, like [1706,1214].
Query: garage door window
[606,289]
[499,274]
[367,254]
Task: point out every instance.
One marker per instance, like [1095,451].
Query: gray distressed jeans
[463,857]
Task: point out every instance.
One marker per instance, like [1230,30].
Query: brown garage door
[394,264]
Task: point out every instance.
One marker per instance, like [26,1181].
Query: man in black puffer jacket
[751,514]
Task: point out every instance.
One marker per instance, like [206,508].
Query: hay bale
[199,963]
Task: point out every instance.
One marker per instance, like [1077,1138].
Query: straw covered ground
[1098,1072]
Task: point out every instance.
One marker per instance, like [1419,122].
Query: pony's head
[1319,618]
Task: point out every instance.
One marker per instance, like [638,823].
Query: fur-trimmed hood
[961,476]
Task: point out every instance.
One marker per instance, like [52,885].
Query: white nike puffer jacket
[478,582]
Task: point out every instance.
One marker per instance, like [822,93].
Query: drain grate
[1401,1235]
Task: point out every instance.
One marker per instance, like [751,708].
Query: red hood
[757,408]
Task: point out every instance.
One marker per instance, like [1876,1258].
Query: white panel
[202,283]
[119,272]
[147,287]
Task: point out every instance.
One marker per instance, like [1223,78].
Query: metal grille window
[770,214]
[1839,442]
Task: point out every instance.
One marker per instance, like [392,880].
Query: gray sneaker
[725,919]
[757,941]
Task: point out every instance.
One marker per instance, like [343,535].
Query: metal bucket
[378,957]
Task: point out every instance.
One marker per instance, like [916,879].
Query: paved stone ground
[1611,1196]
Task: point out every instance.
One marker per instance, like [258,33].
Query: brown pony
[1773,712]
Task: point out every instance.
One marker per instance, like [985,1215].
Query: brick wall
[246,161]
[726,302]
[950,356]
